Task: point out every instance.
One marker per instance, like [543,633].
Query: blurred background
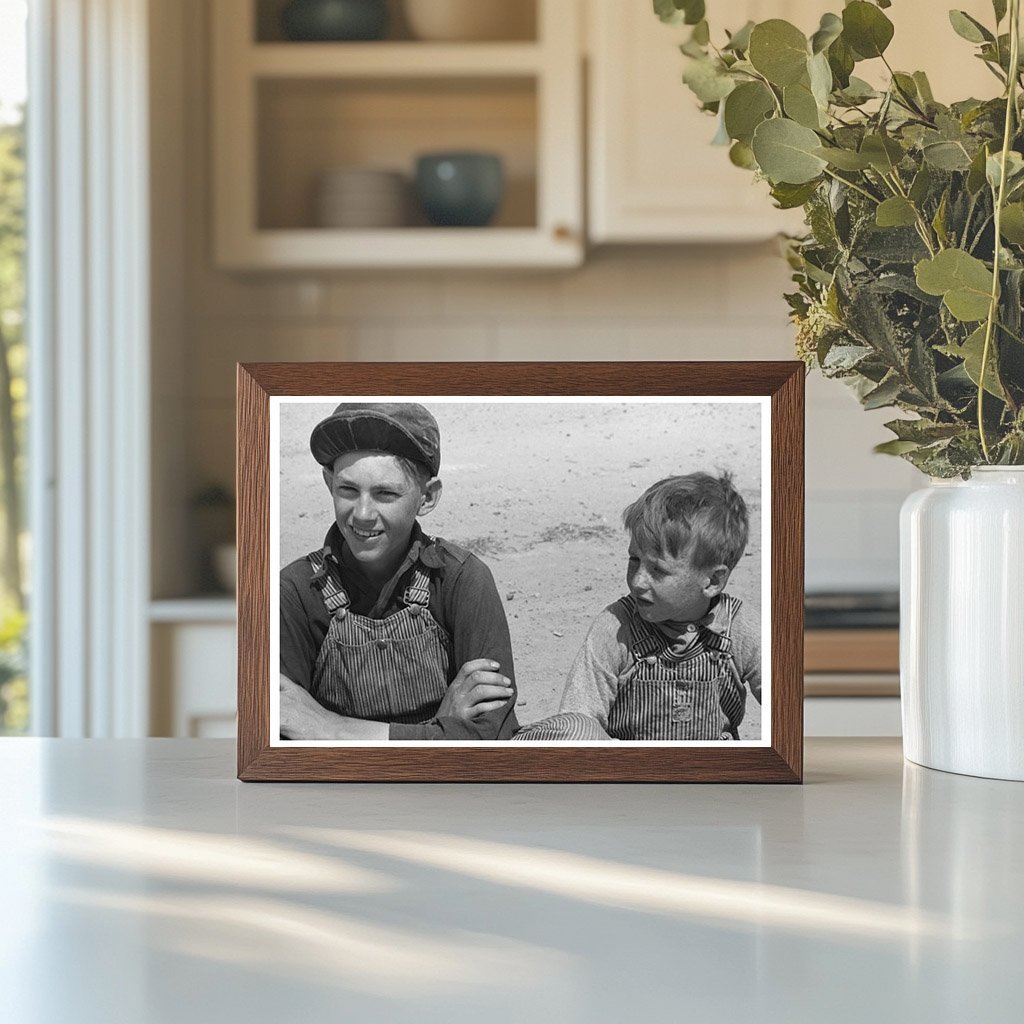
[255,180]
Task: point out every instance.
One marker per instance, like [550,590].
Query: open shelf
[309,127]
[287,113]
[518,23]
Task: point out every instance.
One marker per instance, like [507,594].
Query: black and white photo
[482,570]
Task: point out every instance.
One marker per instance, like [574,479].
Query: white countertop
[143,884]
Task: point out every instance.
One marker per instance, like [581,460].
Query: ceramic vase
[962,624]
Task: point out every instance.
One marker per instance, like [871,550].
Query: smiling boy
[671,660]
[387,633]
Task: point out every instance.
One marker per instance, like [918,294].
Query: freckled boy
[673,659]
[387,633]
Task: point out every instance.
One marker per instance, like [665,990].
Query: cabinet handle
[563,232]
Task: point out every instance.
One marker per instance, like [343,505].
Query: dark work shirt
[463,600]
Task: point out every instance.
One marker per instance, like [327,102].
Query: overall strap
[331,590]
[644,639]
[720,638]
[417,594]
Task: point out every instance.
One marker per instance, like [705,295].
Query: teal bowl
[332,21]
[461,190]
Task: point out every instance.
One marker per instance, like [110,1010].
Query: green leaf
[789,197]
[707,80]
[976,175]
[739,41]
[701,33]
[676,12]
[844,159]
[939,220]
[923,431]
[968,28]
[885,394]
[924,88]
[830,28]
[896,212]
[785,152]
[1011,226]
[971,352]
[778,50]
[745,108]
[906,89]
[994,167]
[883,153]
[946,156]
[800,105]
[999,7]
[694,11]
[866,29]
[963,281]
[921,186]
[895,447]
[857,91]
[820,75]
[841,60]
[742,155]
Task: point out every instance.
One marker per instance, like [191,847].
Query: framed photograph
[550,572]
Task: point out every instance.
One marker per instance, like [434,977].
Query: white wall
[720,302]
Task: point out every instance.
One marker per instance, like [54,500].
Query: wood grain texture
[781,762]
[852,650]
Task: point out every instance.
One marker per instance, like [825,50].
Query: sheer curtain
[88,314]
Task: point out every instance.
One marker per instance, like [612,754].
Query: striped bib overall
[687,689]
[393,669]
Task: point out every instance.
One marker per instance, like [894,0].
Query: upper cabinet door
[315,144]
[654,175]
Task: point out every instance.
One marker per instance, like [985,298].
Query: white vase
[962,624]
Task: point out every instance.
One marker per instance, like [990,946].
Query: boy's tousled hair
[697,514]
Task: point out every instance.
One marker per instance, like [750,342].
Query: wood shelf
[393,60]
[401,247]
[852,650]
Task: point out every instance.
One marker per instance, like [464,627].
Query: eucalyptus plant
[910,278]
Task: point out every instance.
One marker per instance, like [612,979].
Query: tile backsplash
[716,302]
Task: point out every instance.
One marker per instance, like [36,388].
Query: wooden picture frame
[777,388]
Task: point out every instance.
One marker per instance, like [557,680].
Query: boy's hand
[477,689]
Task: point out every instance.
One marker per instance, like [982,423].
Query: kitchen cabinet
[653,175]
[193,656]
[287,113]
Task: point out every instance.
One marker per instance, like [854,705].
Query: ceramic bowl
[334,20]
[469,20]
[361,197]
[460,189]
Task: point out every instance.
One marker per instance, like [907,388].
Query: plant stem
[850,184]
[922,225]
[993,308]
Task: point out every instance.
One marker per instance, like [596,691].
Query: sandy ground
[537,491]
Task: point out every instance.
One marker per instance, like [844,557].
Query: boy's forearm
[305,718]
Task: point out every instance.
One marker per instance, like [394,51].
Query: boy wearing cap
[387,633]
